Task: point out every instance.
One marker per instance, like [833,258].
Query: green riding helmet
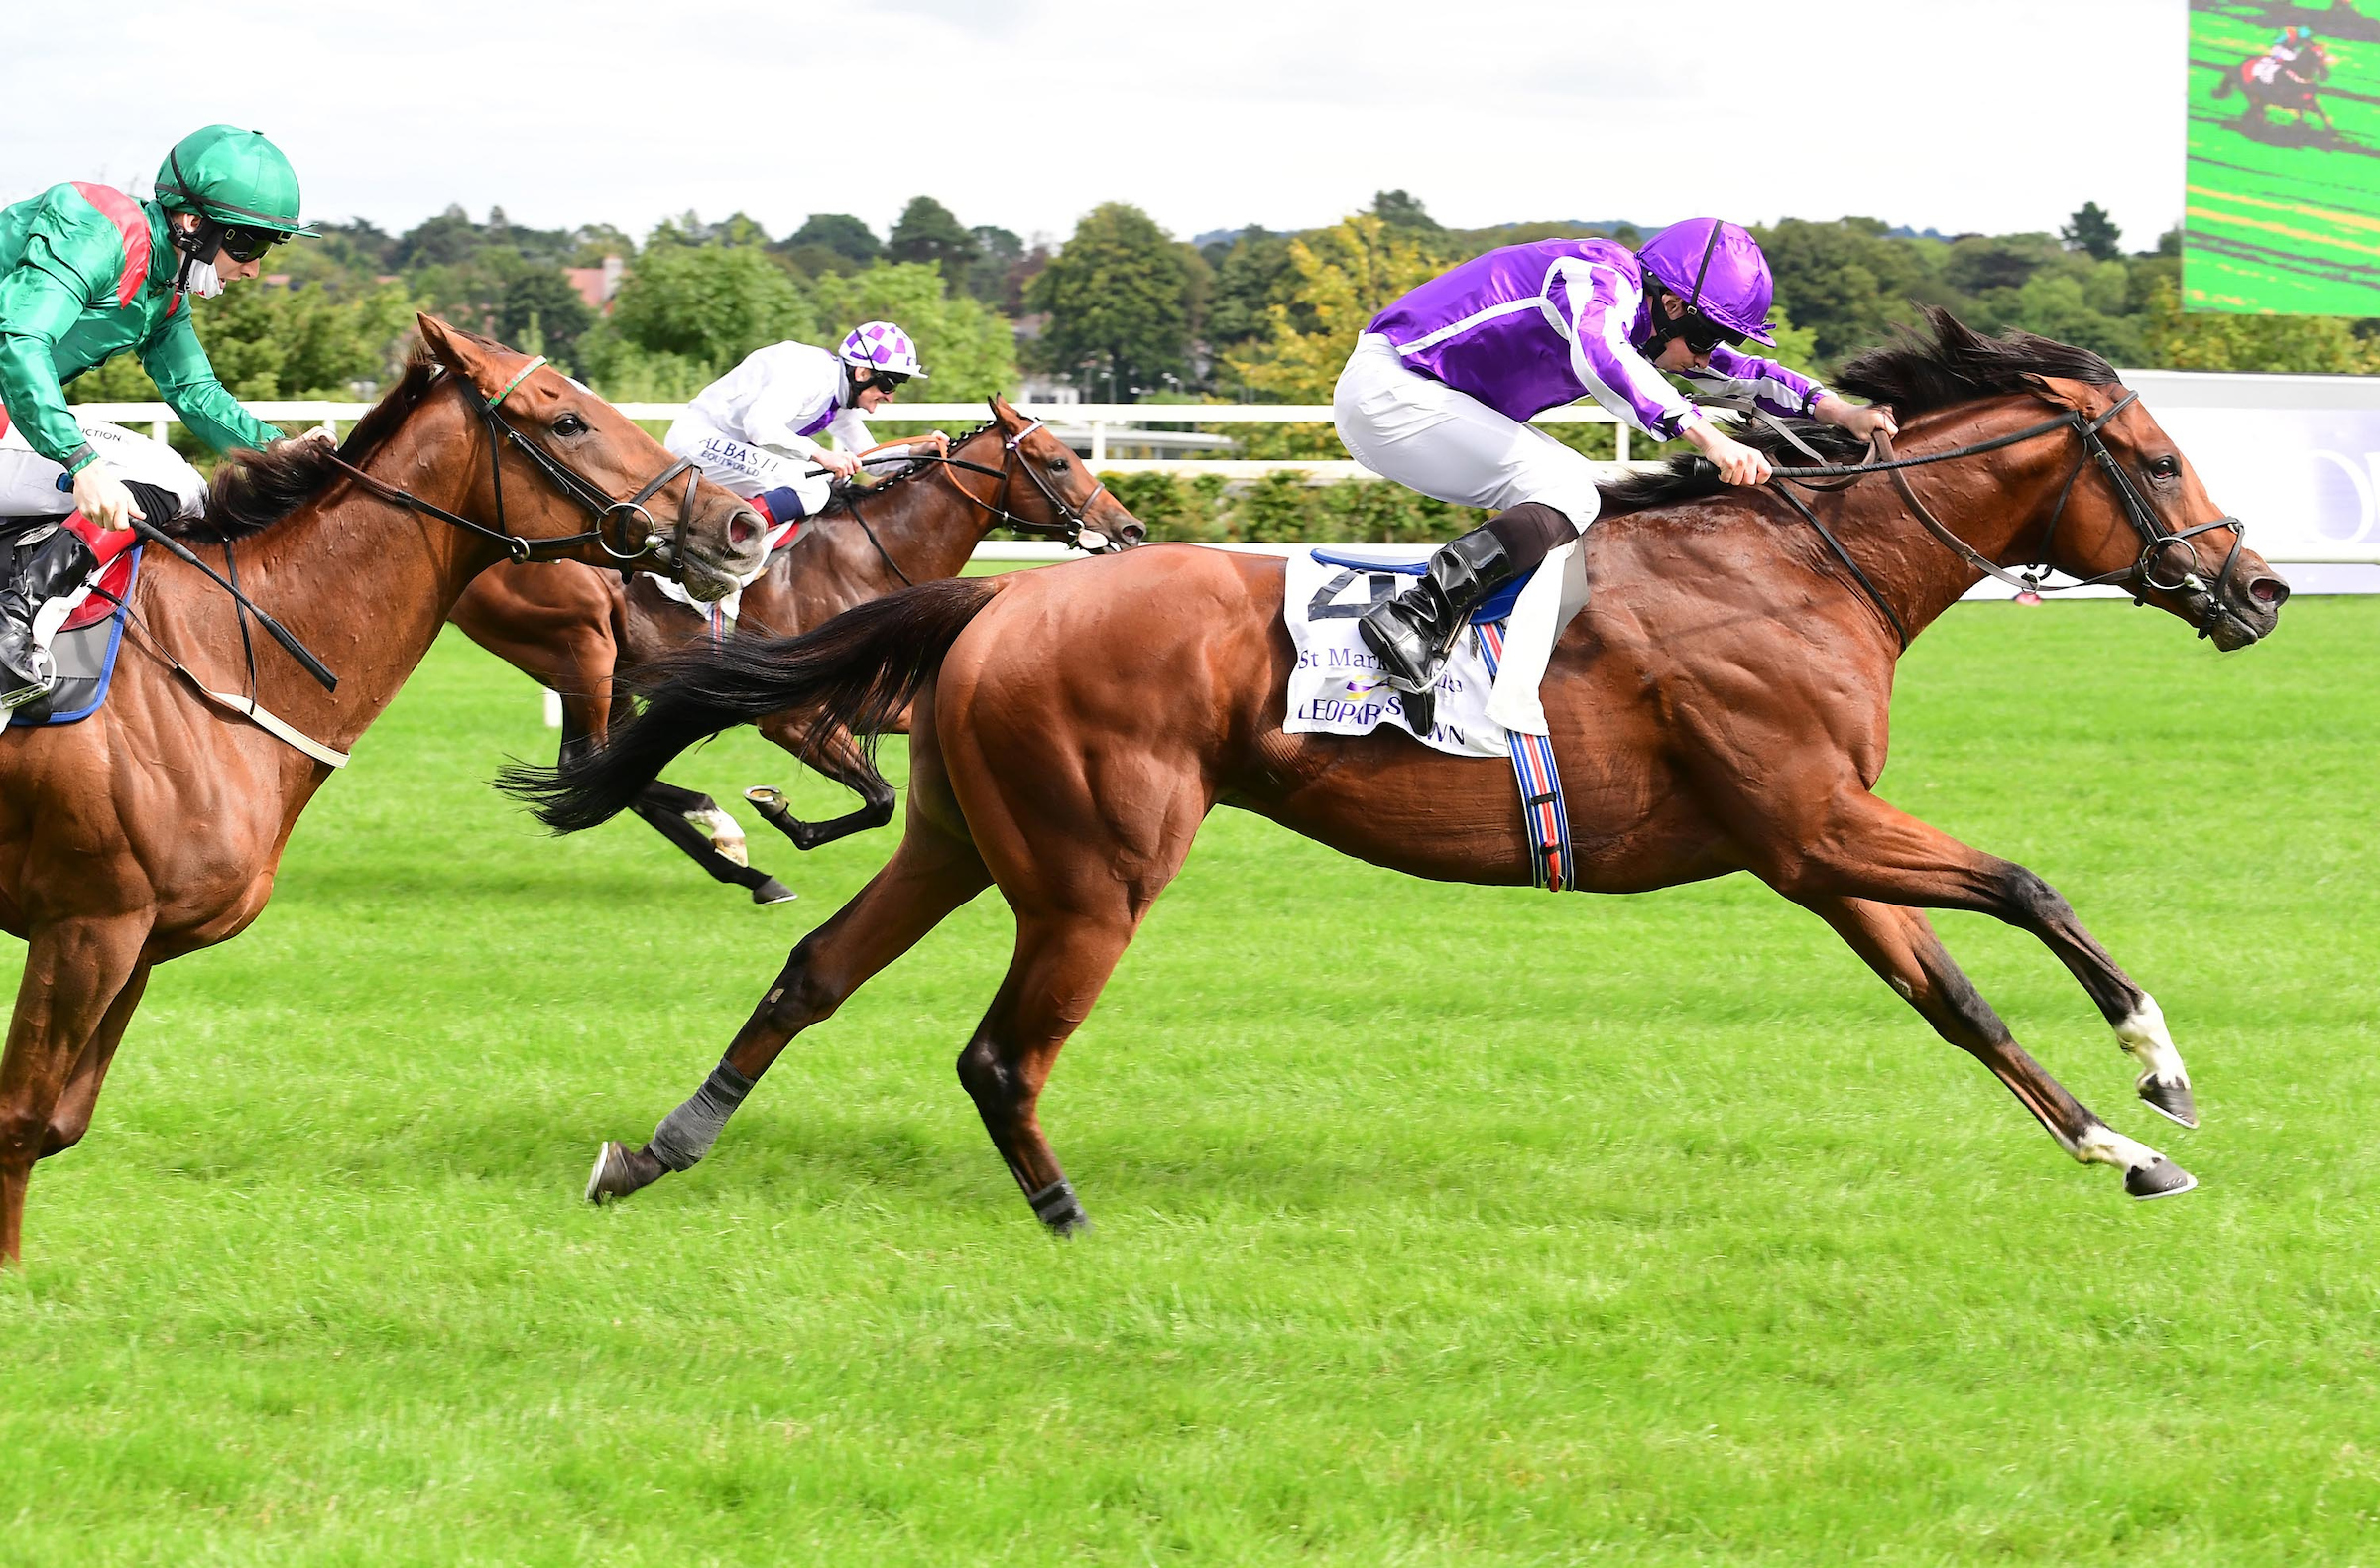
[236,180]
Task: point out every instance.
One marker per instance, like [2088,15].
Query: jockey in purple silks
[1440,388]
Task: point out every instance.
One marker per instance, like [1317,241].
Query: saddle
[1497,606]
[85,643]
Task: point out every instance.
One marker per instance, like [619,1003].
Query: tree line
[1126,311]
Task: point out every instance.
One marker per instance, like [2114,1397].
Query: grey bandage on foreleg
[687,1132]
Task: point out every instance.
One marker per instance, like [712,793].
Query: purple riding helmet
[1717,270]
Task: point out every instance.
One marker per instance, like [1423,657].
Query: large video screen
[2284,205]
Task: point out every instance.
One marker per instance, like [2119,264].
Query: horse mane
[1917,372]
[253,490]
[839,500]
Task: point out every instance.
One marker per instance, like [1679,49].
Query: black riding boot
[32,574]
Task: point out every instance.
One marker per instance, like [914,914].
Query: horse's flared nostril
[2271,593]
[1131,534]
[743,530]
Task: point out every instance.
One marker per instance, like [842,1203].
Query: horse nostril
[744,530]
[2268,591]
[1131,534]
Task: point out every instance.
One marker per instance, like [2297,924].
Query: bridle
[599,502]
[2141,577]
[1073,528]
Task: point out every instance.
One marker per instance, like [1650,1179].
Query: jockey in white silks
[1441,385]
[782,397]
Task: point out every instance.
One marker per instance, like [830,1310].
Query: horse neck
[1997,501]
[926,522]
[362,581]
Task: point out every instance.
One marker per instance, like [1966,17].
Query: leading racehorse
[153,827]
[571,627]
[1719,705]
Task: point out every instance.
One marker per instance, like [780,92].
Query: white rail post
[1099,443]
[157,430]
[1620,440]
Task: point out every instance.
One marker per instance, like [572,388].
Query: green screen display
[2284,202]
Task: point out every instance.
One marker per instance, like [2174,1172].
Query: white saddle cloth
[1335,686]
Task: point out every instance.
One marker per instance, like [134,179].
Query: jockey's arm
[187,380]
[40,301]
[1774,389]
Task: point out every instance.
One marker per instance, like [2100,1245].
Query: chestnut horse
[571,627]
[153,827]
[1719,705]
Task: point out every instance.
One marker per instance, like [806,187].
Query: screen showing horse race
[2284,186]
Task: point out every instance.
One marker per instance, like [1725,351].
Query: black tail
[858,670]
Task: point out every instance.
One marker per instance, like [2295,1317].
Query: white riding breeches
[1430,437]
[29,481]
[745,469]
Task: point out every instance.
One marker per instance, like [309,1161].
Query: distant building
[597,285]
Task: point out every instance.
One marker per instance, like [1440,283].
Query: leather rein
[2142,576]
[1072,529]
[597,502]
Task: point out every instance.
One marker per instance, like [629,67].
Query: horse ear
[1000,406]
[2080,395]
[451,348]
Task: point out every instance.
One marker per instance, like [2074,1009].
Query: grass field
[2283,216]
[1641,1231]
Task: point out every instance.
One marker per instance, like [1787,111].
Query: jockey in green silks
[86,274]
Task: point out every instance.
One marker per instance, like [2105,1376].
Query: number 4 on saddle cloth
[1336,688]
[83,647]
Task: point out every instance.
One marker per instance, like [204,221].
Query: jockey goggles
[247,245]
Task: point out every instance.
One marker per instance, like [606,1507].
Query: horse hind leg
[1060,966]
[930,875]
[70,1118]
[709,838]
[837,757]
[75,972]
[1901,946]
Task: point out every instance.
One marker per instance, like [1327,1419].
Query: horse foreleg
[708,836]
[74,970]
[1900,945]
[1863,848]
[835,756]
[930,876]
[70,1118]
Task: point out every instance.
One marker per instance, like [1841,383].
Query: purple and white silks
[1531,327]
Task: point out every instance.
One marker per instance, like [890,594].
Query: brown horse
[572,628]
[153,827]
[1719,705]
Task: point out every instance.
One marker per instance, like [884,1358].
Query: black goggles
[1703,336]
[886,380]
[246,243]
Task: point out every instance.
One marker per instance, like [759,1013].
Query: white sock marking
[2144,1035]
[724,833]
[2102,1144]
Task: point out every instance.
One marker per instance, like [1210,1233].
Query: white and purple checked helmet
[879,345]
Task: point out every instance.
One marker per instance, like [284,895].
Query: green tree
[840,233]
[1119,299]
[1253,273]
[929,233]
[969,350]
[1401,211]
[993,275]
[1847,283]
[1345,275]
[2092,232]
[541,300]
[2314,345]
[687,313]
[268,343]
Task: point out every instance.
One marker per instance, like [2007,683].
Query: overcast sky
[1209,114]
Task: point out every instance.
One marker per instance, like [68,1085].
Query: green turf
[2282,216]
[1437,1224]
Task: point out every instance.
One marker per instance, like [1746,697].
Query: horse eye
[1058,465]
[570,424]
[2165,467]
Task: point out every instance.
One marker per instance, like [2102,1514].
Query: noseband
[2141,577]
[599,502]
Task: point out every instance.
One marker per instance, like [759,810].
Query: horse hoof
[2162,1179]
[2170,1101]
[771,890]
[1059,1209]
[620,1170]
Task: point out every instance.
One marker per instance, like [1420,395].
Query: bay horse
[572,628]
[2293,88]
[153,827]
[1719,705]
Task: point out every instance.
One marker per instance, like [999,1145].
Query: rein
[590,497]
[2141,576]
[1073,529]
